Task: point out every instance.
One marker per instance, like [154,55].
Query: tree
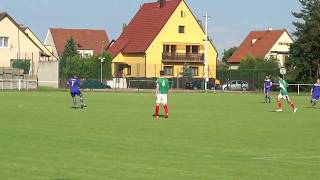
[227,54]
[70,51]
[260,64]
[305,51]
[89,67]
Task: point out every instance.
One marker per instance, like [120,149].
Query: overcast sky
[231,20]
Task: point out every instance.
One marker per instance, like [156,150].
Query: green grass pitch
[208,136]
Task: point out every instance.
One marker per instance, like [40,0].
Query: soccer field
[208,136]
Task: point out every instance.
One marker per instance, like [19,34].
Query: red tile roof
[86,39]
[265,40]
[144,27]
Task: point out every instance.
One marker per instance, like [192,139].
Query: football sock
[74,100]
[314,103]
[292,105]
[157,110]
[166,110]
[265,99]
[81,100]
[269,99]
[279,104]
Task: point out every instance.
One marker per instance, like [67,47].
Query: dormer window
[253,41]
[182,14]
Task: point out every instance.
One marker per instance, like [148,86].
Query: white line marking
[292,159]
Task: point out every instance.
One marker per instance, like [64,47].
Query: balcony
[183,57]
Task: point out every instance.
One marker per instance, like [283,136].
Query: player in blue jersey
[267,89]
[315,93]
[74,84]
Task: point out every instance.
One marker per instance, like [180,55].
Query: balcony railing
[183,57]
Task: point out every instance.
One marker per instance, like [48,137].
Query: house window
[194,71]
[195,49]
[166,48]
[173,49]
[86,55]
[4,42]
[129,70]
[181,29]
[188,49]
[168,70]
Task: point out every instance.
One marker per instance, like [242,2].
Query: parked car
[199,84]
[238,85]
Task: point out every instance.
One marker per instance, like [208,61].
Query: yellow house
[18,42]
[163,35]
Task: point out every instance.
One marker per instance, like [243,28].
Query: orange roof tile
[85,39]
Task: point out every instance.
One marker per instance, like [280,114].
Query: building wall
[49,43]
[85,52]
[136,61]
[28,50]
[48,74]
[282,45]
[170,35]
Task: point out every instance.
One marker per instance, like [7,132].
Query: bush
[22,64]
[94,84]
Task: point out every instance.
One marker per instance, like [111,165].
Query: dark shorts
[75,93]
[267,91]
[315,97]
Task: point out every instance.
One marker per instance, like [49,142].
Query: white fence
[300,86]
[18,84]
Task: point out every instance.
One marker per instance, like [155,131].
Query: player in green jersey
[161,95]
[284,95]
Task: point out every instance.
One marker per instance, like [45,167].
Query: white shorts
[162,99]
[286,97]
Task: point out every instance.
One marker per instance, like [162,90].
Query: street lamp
[101,60]
[206,67]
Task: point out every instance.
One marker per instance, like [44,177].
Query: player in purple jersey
[267,89]
[315,93]
[74,84]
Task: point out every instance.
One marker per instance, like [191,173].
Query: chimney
[124,26]
[270,29]
[162,3]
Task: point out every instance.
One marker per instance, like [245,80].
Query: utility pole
[206,68]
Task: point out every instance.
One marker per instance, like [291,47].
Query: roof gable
[2,15]
[20,27]
[256,44]
[144,27]
[85,39]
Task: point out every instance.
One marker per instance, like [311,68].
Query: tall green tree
[305,51]
[227,54]
[70,51]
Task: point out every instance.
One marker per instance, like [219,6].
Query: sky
[230,22]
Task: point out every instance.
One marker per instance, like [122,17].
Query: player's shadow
[162,116]
[312,107]
[262,102]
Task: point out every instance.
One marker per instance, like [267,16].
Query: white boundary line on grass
[292,159]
